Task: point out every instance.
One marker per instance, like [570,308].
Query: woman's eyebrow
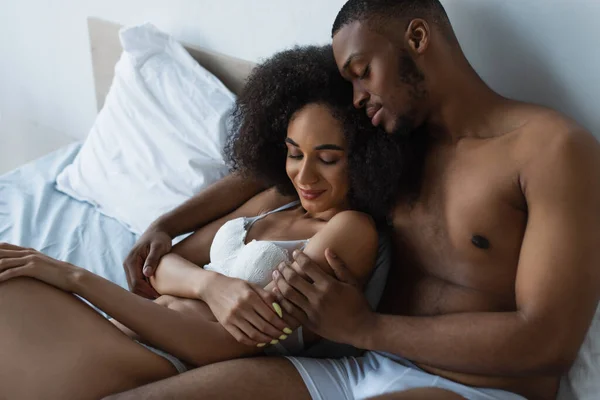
[320,147]
[329,147]
[290,141]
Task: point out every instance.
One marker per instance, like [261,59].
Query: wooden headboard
[106,50]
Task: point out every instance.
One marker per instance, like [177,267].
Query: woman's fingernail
[295,253]
[274,341]
[282,337]
[261,345]
[146,270]
[277,309]
[275,274]
[288,331]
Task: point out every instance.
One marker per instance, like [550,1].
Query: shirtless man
[495,278]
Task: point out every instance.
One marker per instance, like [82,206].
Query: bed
[33,213]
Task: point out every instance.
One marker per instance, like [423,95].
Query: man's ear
[417,36]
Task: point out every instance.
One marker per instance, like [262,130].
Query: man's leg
[421,394]
[253,378]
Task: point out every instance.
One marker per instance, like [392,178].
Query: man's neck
[463,105]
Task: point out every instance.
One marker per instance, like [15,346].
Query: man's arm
[557,284]
[218,199]
[215,201]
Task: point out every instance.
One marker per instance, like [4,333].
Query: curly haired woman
[334,177]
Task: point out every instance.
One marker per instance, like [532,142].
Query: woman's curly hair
[280,87]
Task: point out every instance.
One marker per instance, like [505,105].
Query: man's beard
[405,125]
[410,141]
[411,76]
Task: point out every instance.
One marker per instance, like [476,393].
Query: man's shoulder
[552,147]
[542,122]
[548,133]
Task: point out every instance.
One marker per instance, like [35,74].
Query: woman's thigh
[54,346]
[187,306]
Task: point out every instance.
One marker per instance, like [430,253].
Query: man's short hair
[378,11]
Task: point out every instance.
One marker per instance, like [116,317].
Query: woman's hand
[17,261]
[247,312]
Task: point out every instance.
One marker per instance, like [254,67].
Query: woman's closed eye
[295,156]
[328,160]
[324,160]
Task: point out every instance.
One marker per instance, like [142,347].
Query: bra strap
[282,208]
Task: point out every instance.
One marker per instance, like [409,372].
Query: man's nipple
[480,242]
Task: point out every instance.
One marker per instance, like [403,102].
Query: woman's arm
[243,309]
[159,326]
[352,236]
[179,277]
[169,330]
[178,273]
[215,201]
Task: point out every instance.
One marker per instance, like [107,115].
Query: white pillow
[158,139]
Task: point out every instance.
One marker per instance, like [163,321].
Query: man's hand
[142,260]
[335,309]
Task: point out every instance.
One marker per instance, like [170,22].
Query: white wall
[45,62]
[536,50]
[543,51]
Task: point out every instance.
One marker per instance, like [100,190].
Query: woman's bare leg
[186,306]
[54,346]
[214,343]
[58,342]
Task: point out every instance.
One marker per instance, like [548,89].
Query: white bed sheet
[583,381]
[34,214]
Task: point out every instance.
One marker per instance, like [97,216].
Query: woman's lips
[311,194]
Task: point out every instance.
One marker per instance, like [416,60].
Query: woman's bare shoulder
[353,237]
[352,222]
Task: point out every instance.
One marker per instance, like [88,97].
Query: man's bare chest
[464,233]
